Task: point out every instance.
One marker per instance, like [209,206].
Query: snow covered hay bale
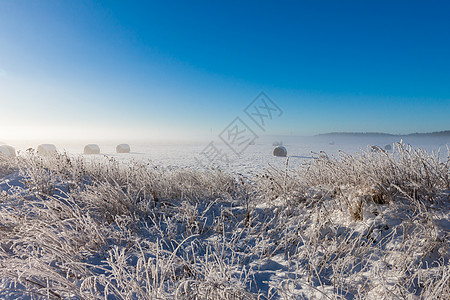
[92,149]
[7,151]
[123,148]
[46,149]
[388,147]
[280,151]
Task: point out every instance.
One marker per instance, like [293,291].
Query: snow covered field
[369,225]
[255,158]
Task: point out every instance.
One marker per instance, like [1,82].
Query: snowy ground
[362,226]
[255,158]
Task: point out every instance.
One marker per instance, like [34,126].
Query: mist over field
[200,150]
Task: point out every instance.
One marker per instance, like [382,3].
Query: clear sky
[177,69]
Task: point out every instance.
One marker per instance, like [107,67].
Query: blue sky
[165,69]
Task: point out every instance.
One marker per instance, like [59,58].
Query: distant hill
[445,133]
[356,134]
[436,133]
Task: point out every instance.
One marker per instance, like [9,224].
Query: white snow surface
[255,158]
[321,234]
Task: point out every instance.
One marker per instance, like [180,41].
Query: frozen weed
[370,225]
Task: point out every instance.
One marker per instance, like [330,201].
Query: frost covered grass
[371,225]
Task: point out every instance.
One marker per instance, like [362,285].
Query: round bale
[92,149]
[280,151]
[46,149]
[123,148]
[388,147]
[7,151]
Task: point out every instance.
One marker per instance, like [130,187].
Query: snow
[270,236]
[256,158]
